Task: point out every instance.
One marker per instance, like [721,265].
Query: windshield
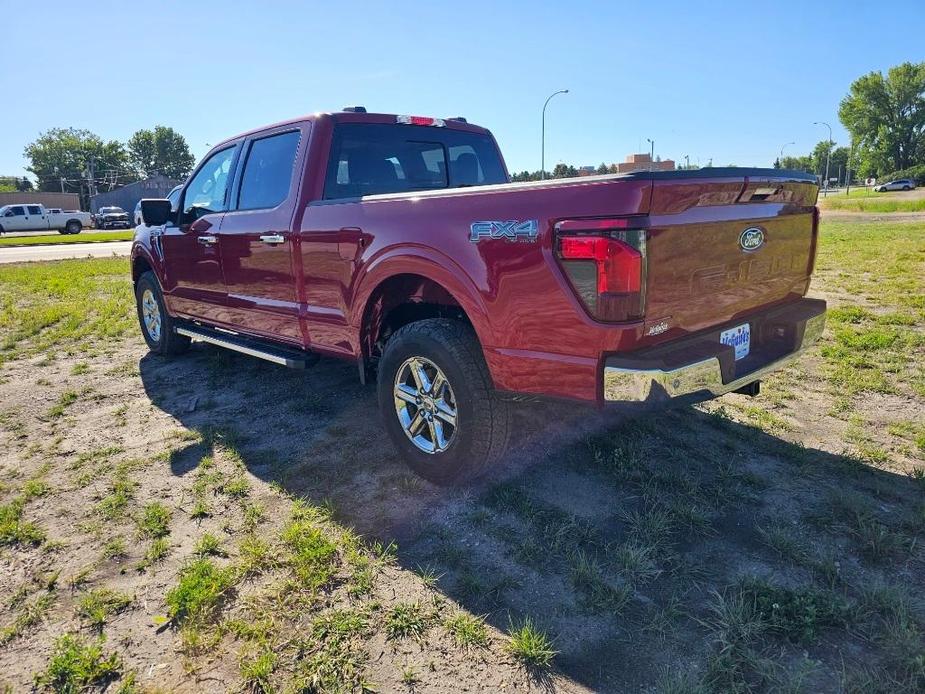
[111,210]
[369,158]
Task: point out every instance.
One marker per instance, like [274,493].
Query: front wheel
[437,401]
[156,324]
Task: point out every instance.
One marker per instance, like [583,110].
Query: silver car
[899,184]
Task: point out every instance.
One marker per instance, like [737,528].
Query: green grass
[467,630]
[873,343]
[67,306]
[875,202]
[67,398]
[209,545]
[78,665]
[407,620]
[14,530]
[530,645]
[154,521]
[201,588]
[312,555]
[31,612]
[84,237]
[98,605]
[256,670]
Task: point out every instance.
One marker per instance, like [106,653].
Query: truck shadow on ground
[616,536]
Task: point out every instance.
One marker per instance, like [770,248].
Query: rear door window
[34,209]
[268,171]
[369,159]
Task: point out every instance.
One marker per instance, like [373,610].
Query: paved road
[18,254]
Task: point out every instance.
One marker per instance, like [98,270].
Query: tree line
[885,118]
[76,160]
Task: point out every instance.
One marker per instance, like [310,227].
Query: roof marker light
[420,120]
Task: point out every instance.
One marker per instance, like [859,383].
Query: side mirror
[155,213]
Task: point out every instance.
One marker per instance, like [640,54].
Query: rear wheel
[156,324]
[73,227]
[906,188]
[437,401]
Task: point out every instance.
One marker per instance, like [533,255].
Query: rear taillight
[605,262]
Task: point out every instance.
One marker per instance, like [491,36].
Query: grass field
[868,200]
[217,523]
[85,237]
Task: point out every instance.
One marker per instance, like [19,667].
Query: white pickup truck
[27,217]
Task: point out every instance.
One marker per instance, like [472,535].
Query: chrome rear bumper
[787,333]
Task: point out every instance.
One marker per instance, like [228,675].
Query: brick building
[643,162]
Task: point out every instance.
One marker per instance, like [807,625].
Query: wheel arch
[141,263]
[405,290]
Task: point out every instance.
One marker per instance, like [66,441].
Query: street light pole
[543,145]
[825,189]
[848,167]
[781,160]
[651,152]
[687,161]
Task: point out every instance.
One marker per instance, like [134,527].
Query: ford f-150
[398,242]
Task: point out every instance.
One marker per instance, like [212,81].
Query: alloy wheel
[151,314]
[425,405]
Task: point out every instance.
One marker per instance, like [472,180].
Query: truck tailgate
[718,249]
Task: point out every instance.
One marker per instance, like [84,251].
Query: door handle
[273,239]
[207,240]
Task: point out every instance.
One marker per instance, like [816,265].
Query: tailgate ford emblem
[751,239]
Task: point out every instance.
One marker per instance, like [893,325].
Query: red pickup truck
[398,242]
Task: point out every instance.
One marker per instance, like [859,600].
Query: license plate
[739,338]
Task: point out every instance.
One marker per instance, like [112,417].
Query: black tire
[73,227]
[483,421]
[167,342]
[906,188]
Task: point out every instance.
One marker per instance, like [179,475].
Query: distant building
[66,201]
[126,197]
[643,162]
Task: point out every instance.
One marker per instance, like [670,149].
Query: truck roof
[450,122]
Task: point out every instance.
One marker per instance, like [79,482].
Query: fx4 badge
[512,230]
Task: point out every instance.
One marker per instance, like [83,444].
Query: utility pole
[62,183]
[828,152]
[651,152]
[687,161]
[543,145]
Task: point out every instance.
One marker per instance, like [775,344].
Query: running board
[292,358]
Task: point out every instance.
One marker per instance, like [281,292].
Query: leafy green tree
[804,163]
[72,154]
[602,169]
[886,118]
[162,150]
[14,184]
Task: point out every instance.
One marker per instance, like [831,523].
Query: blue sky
[727,81]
